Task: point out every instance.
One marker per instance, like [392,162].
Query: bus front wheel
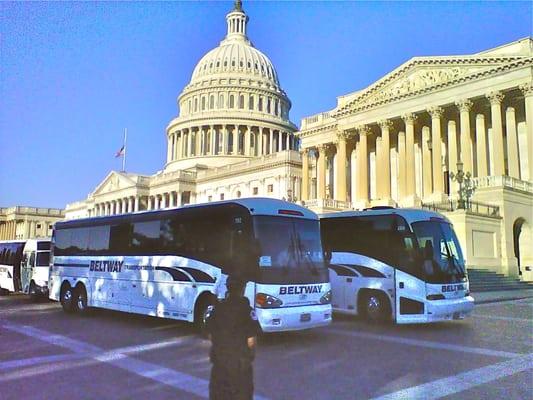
[67,298]
[375,306]
[80,299]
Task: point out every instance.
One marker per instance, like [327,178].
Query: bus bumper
[293,318]
[446,310]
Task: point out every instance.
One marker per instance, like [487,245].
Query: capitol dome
[233,107]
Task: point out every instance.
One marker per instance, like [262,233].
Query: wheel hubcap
[68,295]
[373,306]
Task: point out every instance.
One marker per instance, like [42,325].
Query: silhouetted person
[232,327]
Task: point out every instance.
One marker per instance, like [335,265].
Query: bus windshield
[443,259]
[289,246]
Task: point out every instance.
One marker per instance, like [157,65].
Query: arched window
[195,104]
[268,105]
[260,104]
[251,102]
[241,64]
[218,64]
[233,63]
[225,63]
[231,101]
[238,193]
[276,107]
[203,103]
[211,102]
[189,110]
[221,101]
[241,101]
[249,65]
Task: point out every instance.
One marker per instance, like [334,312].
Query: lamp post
[466,186]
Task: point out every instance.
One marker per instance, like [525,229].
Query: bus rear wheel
[375,307]
[80,299]
[34,296]
[201,312]
[67,298]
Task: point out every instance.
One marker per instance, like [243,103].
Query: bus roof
[409,214]
[255,206]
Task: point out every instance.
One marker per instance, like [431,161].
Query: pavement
[501,295]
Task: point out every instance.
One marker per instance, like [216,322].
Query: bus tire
[200,312]
[67,298]
[375,306]
[80,299]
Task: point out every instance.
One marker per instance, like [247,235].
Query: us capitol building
[449,133]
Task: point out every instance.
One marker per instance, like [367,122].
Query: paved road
[45,354]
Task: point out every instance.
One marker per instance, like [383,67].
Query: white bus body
[10,259]
[400,264]
[35,267]
[174,263]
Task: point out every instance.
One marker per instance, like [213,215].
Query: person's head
[235,286]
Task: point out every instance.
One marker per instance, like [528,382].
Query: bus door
[410,298]
[26,270]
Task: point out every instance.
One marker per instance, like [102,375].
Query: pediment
[112,182]
[422,74]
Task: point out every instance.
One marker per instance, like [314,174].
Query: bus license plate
[305,317]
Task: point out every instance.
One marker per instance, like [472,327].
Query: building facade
[21,223]
[232,137]
[404,140]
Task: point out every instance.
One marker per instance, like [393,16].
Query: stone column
[362,157]
[340,166]
[401,166]
[436,144]
[271,142]
[321,171]
[247,145]
[466,140]
[481,146]
[512,143]
[280,141]
[385,126]
[527,90]
[136,206]
[305,174]
[353,174]
[212,140]
[163,200]
[189,143]
[169,148]
[287,140]
[410,184]
[224,145]
[198,139]
[235,149]
[452,155]
[497,158]
[427,174]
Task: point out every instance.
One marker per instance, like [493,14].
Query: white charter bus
[24,267]
[404,265]
[34,268]
[174,263]
[10,258]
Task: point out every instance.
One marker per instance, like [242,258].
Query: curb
[500,300]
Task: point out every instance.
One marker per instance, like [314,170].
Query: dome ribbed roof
[235,55]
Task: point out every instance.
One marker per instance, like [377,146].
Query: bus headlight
[263,300]
[326,299]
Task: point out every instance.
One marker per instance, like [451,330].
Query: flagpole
[124,155]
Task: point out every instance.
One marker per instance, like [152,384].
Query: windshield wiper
[307,259]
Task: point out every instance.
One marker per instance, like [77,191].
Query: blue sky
[74,75]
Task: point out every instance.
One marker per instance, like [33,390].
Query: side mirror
[428,250]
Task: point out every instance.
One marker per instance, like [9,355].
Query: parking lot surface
[45,353]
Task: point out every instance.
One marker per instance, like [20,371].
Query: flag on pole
[120,153]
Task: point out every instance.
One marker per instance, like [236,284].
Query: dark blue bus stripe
[71,265]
